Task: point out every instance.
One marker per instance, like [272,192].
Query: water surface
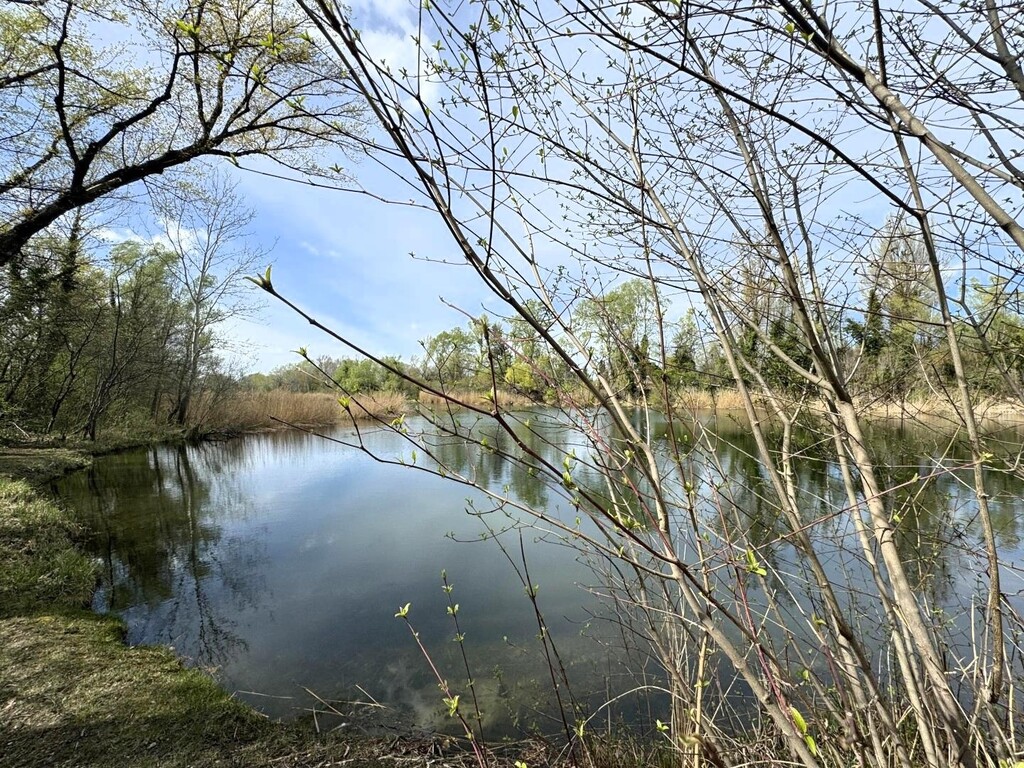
[277,561]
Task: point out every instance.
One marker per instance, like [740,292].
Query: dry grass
[920,409]
[476,399]
[703,400]
[928,409]
[261,410]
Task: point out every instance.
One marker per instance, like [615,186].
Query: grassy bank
[72,693]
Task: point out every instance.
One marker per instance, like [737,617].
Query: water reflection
[157,521]
[279,559]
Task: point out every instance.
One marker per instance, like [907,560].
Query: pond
[277,561]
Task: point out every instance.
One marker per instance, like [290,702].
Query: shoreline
[75,694]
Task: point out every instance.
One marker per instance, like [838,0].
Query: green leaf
[661,726]
[811,744]
[403,612]
[753,566]
[453,705]
[515,112]
[798,720]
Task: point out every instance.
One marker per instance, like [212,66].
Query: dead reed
[247,410]
[476,399]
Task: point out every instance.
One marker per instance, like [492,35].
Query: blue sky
[345,257]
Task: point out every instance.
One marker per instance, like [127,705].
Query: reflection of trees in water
[156,520]
[936,532]
[928,501]
[161,519]
[489,464]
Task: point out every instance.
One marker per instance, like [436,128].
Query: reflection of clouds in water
[318,542]
[282,558]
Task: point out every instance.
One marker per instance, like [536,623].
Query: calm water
[278,561]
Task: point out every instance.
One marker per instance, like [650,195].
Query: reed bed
[935,408]
[243,411]
[691,399]
[929,409]
[477,399]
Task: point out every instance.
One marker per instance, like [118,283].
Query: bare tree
[206,227]
[701,148]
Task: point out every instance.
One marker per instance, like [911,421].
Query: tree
[618,326]
[995,337]
[206,227]
[449,357]
[211,78]
[679,143]
[52,309]
[139,295]
[682,369]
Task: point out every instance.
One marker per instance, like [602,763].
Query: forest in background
[129,340]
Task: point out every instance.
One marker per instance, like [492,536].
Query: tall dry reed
[247,410]
[477,399]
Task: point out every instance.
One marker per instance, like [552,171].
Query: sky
[345,258]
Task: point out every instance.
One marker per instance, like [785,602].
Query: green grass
[39,464]
[74,695]
[39,566]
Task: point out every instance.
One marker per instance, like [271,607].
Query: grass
[928,408]
[73,694]
[38,563]
[692,399]
[476,399]
[924,409]
[40,463]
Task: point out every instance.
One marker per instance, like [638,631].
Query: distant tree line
[892,342]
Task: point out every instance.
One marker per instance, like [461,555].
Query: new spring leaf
[753,565]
